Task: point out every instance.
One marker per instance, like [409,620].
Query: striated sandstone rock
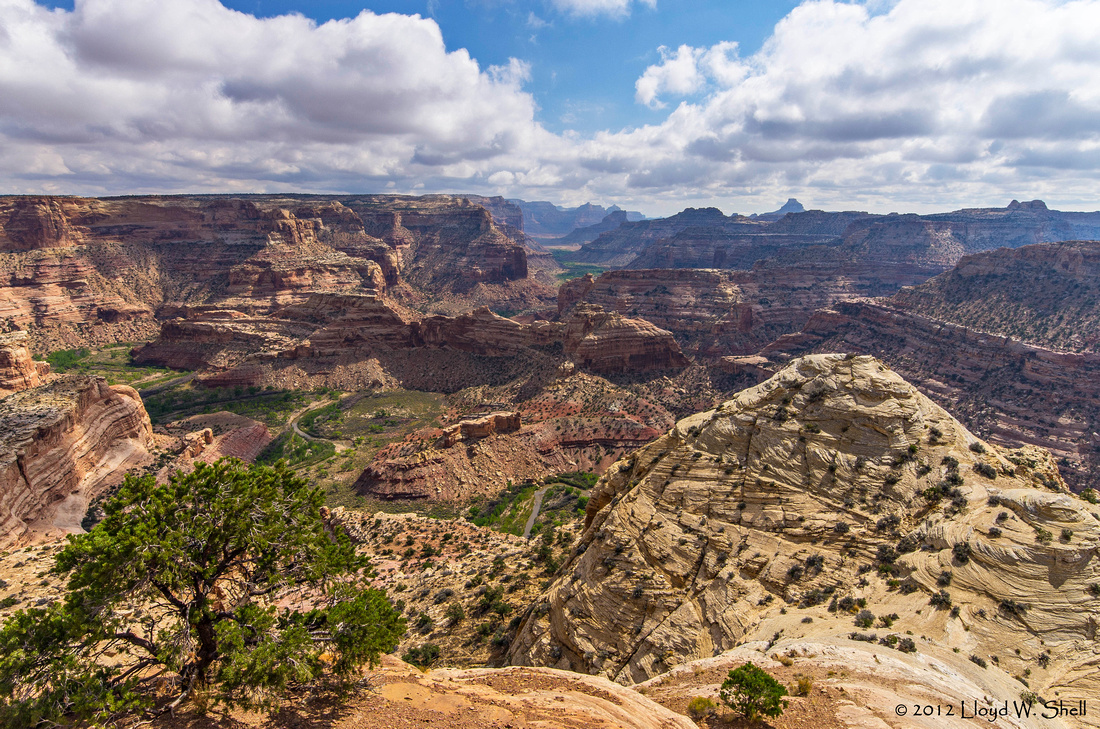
[17,370]
[689,542]
[61,445]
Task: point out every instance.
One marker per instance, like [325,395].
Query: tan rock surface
[61,445]
[17,370]
[694,541]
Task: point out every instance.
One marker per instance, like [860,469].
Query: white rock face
[833,479]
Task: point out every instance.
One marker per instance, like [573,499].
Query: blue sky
[655,105]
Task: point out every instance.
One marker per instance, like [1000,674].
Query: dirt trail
[534,512]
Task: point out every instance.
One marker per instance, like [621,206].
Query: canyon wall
[1007,391]
[88,271]
[61,445]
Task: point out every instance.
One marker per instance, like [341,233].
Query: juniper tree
[225,579]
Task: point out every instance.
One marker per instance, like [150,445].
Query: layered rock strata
[61,445]
[833,482]
[17,370]
[342,328]
[1046,294]
[89,271]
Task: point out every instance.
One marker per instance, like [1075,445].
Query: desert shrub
[979,661]
[1043,536]
[994,532]
[906,645]
[977,447]
[944,579]
[1067,534]
[701,707]
[940,600]
[961,552]
[842,527]
[423,656]
[1012,607]
[865,618]
[804,684]
[753,693]
[865,637]
[455,613]
[986,470]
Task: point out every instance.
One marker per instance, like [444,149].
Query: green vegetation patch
[272,407]
[574,269]
[112,362]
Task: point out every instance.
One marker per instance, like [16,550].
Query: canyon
[78,271]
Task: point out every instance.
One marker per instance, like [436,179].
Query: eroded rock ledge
[61,445]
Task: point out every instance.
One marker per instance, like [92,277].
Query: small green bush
[701,707]
[753,693]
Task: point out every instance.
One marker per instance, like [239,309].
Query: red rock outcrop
[478,428]
[61,445]
[17,370]
[608,343]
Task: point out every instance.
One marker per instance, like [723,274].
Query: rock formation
[347,328]
[707,239]
[62,444]
[17,370]
[607,342]
[834,485]
[91,271]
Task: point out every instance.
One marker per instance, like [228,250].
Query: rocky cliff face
[62,444]
[17,370]
[87,271]
[607,342]
[714,313]
[833,486]
[330,329]
[1046,294]
[1010,392]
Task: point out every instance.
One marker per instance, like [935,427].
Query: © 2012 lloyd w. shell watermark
[1019,709]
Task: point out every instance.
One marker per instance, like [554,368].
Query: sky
[654,105]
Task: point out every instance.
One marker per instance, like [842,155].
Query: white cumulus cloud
[907,104]
[613,8]
[925,100]
[143,93]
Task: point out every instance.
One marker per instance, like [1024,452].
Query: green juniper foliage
[750,691]
[211,561]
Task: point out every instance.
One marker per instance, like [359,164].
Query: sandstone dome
[834,479]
